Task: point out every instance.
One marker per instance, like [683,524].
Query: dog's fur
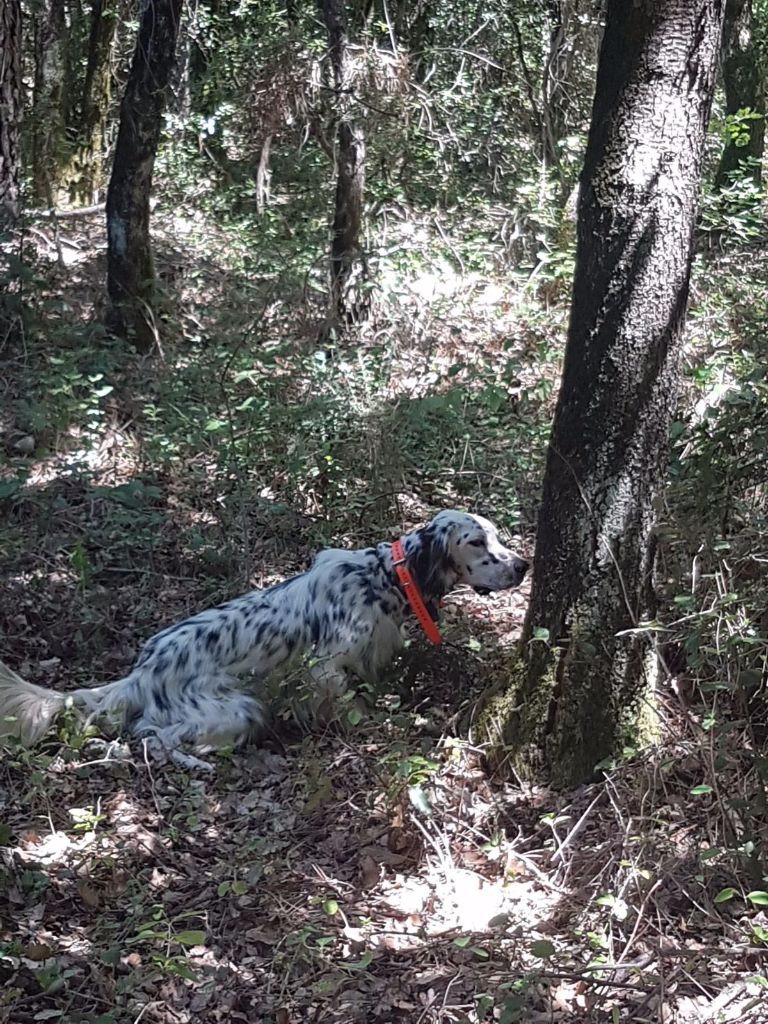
[346,610]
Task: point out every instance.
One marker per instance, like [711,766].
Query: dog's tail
[28,711]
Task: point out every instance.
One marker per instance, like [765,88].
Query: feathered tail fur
[28,711]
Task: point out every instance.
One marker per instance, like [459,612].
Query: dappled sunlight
[338,341]
[111,456]
[343,871]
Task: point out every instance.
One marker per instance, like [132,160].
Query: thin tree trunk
[130,273]
[262,175]
[552,114]
[744,91]
[180,103]
[11,90]
[350,163]
[97,94]
[48,108]
[582,676]
[11,98]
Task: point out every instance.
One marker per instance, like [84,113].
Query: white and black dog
[346,612]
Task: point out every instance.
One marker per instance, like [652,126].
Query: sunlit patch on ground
[374,873]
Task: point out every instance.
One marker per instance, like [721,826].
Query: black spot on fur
[161,697]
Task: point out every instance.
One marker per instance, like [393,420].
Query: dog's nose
[521,566]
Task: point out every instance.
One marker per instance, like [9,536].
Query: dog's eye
[479,543]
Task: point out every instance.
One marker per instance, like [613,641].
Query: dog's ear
[433,568]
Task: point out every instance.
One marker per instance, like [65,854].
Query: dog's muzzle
[518,567]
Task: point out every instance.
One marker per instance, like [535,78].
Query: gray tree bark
[582,677]
[130,271]
[11,90]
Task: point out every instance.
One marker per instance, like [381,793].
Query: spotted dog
[346,611]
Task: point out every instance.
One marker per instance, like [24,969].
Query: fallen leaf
[88,894]
[38,951]
[369,872]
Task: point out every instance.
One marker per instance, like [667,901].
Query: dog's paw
[190,761]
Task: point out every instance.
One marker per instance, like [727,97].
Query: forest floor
[374,871]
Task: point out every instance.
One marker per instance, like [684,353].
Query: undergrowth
[135,491]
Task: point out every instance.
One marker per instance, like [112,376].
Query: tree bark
[350,162]
[744,91]
[96,100]
[582,677]
[130,272]
[48,106]
[11,90]
[262,175]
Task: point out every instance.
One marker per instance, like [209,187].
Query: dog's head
[457,547]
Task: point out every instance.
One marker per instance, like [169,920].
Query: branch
[81,211]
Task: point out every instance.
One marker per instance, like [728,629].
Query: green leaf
[9,487]
[223,888]
[331,907]
[462,942]
[606,900]
[701,790]
[190,938]
[240,888]
[725,894]
[542,948]
[758,897]
[710,853]
[362,963]
[541,633]
[354,716]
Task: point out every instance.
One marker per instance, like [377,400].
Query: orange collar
[413,594]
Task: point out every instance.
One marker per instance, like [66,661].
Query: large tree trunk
[10,110]
[743,80]
[581,675]
[350,163]
[130,272]
[96,99]
[48,141]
